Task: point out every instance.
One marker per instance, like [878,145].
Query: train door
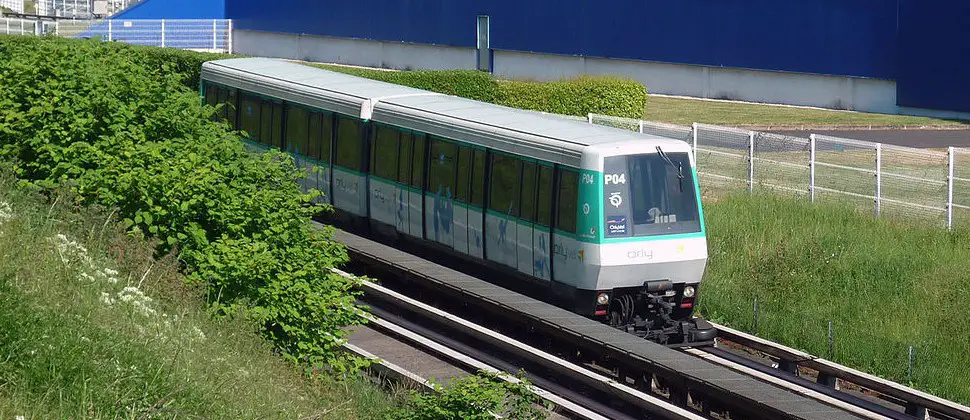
[440,194]
[415,195]
[386,192]
[349,182]
[463,214]
[524,238]
[542,233]
[476,205]
[501,227]
[319,145]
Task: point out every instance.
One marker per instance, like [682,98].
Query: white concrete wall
[838,92]
[395,55]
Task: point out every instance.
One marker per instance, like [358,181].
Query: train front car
[642,227]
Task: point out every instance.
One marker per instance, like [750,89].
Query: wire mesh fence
[18,26]
[918,185]
[195,34]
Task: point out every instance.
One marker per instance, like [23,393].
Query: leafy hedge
[121,126]
[607,95]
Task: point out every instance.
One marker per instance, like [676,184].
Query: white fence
[900,182]
[195,34]
[18,26]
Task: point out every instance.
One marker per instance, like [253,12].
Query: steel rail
[917,403]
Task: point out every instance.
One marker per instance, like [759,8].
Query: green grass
[884,285]
[684,111]
[66,352]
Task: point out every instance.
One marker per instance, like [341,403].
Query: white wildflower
[198,333]
[109,272]
[85,339]
[19,418]
[113,280]
[6,212]
[137,299]
[85,276]
[107,299]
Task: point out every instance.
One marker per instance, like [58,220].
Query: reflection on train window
[297,129]
[441,178]
[544,202]
[348,144]
[229,110]
[249,117]
[464,173]
[277,135]
[478,179]
[504,185]
[528,191]
[384,153]
[417,163]
[568,195]
[265,123]
[404,164]
[315,137]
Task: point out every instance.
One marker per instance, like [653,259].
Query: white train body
[596,214]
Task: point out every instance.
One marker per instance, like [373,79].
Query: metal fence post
[878,178]
[589,117]
[811,166]
[693,129]
[229,37]
[109,30]
[949,187]
[751,161]
[215,32]
[641,126]
[163,33]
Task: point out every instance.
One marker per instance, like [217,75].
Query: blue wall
[934,54]
[175,9]
[922,44]
[843,37]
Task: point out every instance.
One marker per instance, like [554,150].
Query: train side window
[249,117]
[348,144]
[441,176]
[212,99]
[265,123]
[504,185]
[417,163]
[297,126]
[404,160]
[478,178]
[544,202]
[222,97]
[568,195]
[231,105]
[384,153]
[315,135]
[277,135]
[464,173]
[528,191]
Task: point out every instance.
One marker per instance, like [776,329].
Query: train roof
[543,136]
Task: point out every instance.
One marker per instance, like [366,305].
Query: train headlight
[603,299]
[689,291]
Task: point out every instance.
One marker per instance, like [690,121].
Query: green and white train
[608,221]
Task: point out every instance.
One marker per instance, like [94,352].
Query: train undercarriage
[660,312]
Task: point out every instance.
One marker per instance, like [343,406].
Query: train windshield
[649,194]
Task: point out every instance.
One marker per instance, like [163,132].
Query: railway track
[700,385]
[471,347]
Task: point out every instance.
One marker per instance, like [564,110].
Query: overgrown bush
[481,396]
[607,95]
[91,116]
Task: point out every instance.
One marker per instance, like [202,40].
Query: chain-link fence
[929,186]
